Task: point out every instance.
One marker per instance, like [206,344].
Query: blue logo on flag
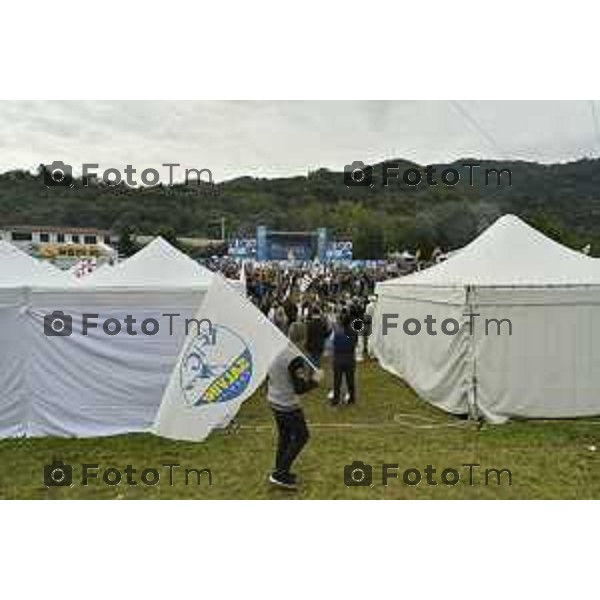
[216,367]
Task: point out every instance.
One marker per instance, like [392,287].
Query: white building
[24,235]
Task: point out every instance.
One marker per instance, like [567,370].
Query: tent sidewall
[547,368]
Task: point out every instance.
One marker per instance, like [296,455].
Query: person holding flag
[289,378]
[223,363]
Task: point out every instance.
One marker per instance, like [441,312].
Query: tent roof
[508,253]
[158,265]
[17,268]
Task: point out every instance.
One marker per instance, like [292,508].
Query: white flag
[305,282]
[220,366]
[243,274]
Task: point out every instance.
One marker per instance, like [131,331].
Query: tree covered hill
[561,199]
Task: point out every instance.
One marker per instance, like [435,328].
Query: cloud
[271,139]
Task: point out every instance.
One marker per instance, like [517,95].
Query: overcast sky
[273,139]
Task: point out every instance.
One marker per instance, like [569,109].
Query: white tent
[94,384]
[550,296]
[159,265]
[17,269]
[19,275]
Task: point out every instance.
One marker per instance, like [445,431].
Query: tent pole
[474,412]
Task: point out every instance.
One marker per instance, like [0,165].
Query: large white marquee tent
[548,367]
[95,384]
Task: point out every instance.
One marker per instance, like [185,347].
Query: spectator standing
[317,332]
[344,359]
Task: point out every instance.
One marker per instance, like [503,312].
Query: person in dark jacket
[344,359]
[317,332]
[291,308]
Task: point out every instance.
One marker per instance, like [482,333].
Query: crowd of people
[319,311]
[322,309]
[322,301]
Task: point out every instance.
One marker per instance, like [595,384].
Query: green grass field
[390,424]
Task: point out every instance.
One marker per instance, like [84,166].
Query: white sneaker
[289,483]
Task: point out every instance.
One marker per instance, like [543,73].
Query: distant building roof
[55,229]
[272,232]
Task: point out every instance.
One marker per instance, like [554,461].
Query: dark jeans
[343,370]
[293,435]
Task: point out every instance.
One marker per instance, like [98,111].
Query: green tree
[126,245]
[368,242]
